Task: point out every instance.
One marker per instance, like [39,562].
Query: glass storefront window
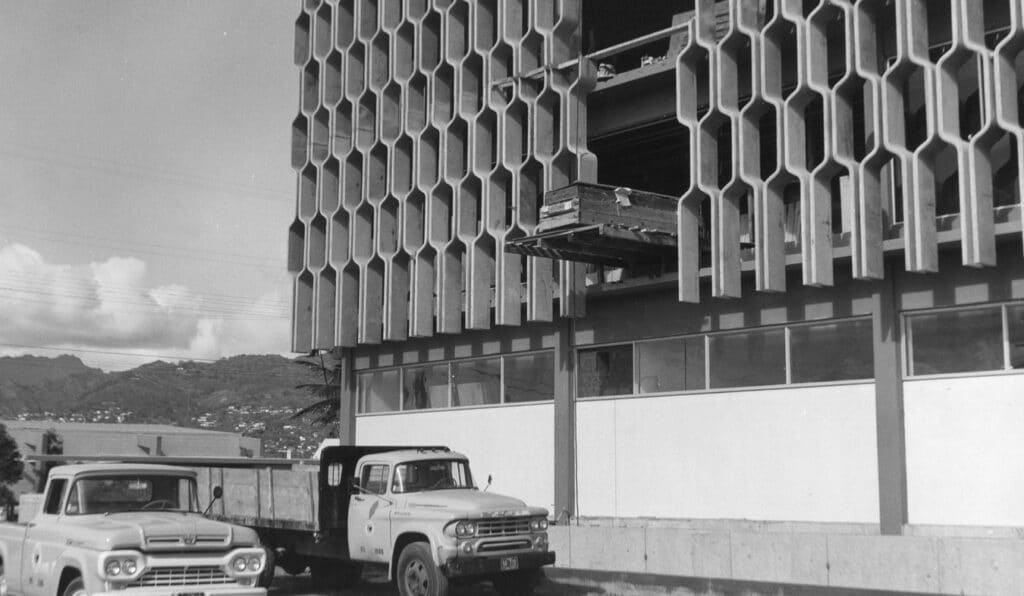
[956,341]
[605,371]
[426,387]
[747,358]
[1015,328]
[670,365]
[476,382]
[378,391]
[839,351]
[530,377]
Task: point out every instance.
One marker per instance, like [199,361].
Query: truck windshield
[115,494]
[431,474]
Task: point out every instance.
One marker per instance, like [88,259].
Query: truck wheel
[332,573]
[75,588]
[417,575]
[293,564]
[517,583]
[267,575]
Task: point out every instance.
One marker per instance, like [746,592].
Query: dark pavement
[372,585]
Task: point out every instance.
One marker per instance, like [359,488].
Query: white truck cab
[420,512]
[126,529]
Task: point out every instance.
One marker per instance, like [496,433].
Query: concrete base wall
[825,555]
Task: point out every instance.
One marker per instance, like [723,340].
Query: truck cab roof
[404,455]
[73,470]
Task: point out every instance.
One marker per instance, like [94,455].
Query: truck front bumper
[188,591]
[465,566]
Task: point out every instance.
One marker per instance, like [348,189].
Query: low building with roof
[121,440]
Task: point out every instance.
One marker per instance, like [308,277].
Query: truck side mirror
[218,492]
[354,483]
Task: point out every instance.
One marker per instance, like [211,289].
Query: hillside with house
[254,395]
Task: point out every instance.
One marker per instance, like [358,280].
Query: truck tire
[267,575]
[75,588]
[292,564]
[332,573]
[517,583]
[417,575]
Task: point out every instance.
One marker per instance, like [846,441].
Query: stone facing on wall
[805,100]
[784,556]
[419,150]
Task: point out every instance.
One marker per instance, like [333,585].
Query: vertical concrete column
[347,395]
[890,429]
[565,422]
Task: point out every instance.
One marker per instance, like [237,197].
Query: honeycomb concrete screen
[864,114]
[419,151]
[428,132]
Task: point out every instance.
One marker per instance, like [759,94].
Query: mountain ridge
[254,395]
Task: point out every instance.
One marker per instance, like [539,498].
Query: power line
[138,167]
[70,239]
[87,284]
[136,171]
[153,308]
[106,242]
[113,353]
[129,298]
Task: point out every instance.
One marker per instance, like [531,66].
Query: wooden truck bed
[286,499]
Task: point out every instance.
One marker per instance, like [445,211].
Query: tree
[11,467]
[53,444]
[326,409]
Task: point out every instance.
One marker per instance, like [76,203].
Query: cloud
[109,307]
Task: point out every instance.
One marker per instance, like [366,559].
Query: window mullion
[908,342]
[501,379]
[1006,336]
[401,388]
[451,382]
[707,362]
[789,356]
[636,368]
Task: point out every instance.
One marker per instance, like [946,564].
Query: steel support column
[890,429]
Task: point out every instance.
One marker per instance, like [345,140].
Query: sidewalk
[579,582]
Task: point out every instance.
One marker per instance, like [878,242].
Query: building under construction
[735,289]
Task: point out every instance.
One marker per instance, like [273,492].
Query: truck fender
[70,563]
[406,538]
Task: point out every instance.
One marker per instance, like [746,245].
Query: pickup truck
[127,529]
[415,513]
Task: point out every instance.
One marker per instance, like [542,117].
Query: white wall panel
[965,450]
[514,444]
[806,454]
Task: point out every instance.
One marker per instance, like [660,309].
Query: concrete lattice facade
[414,167]
[811,96]
[844,161]
[428,132]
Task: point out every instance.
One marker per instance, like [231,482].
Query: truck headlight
[120,565]
[539,524]
[465,529]
[246,563]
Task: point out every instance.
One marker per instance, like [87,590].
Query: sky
[145,178]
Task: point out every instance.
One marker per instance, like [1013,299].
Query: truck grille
[202,540]
[183,576]
[503,545]
[503,527]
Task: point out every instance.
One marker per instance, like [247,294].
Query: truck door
[369,516]
[42,544]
